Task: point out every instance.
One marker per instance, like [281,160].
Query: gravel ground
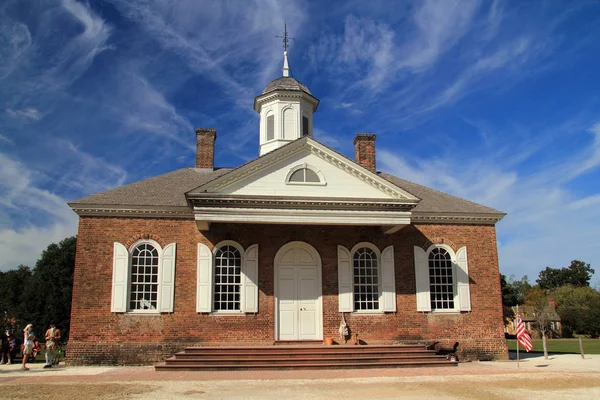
[559,377]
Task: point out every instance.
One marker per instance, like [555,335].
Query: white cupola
[286,109]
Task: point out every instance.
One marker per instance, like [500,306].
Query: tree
[513,293]
[41,295]
[12,284]
[48,293]
[577,274]
[579,309]
[537,300]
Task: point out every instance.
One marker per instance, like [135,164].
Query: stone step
[292,366]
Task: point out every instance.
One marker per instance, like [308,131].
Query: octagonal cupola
[286,109]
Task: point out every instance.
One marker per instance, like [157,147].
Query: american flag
[522,335]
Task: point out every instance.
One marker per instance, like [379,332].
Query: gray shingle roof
[286,83]
[169,190]
[163,190]
[435,201]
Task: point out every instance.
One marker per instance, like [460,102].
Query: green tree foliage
[579,309]
[41,295]
[578,274]
[12,284]
[513,293]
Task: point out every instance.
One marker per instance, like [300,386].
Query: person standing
[4,349]
[52,338]
[28,338]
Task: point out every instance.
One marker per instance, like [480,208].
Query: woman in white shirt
[28,338]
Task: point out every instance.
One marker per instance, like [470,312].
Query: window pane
[311,176]
[365,280]
[440,280]
[228,263]
[297,176]
[304,126]
[143,291]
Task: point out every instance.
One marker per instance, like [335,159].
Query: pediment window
[305,175]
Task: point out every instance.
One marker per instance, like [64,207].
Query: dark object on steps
[450,353]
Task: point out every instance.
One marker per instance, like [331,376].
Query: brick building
[279,249]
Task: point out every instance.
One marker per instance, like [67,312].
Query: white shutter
[120,278]
[388,280]
[250,280]
[345,281]
[422,279]
[167,278]
[462,280]
[205,279]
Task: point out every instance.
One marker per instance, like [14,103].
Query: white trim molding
[301,216]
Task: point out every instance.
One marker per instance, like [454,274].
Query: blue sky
[494,101]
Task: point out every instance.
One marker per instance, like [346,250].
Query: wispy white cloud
[190,29]
[26,113]
[438,26]
[5,139]
[76,56]
[142,108]
[535,203]
[15,41]
[85,173]
[23,242]
[327,139]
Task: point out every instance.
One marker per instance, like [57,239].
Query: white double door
[299,308]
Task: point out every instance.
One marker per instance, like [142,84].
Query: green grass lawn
[590,346]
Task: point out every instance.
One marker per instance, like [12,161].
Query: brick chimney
[364,150]
[205,147]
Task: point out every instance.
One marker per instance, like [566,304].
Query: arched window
[143,290]
[143,277]
[366,279]
[228,265]
[227,278]
[304,175]
[441,280]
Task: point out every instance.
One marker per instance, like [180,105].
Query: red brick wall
[205,147]
[364,150]
[99,336]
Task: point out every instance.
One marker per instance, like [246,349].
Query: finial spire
[286,43]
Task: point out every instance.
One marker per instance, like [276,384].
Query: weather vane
[286,39]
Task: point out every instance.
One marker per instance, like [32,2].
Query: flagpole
[517,340]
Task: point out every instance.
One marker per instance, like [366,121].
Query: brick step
[298,342]
[297,360]
[279,355]
[304,349]
[302,357]
[292,366]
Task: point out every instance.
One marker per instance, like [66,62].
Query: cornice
[301,216]
[254,202]
[133,211]
[282,94]
[464,219]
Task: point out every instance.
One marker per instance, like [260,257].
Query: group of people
[30,346]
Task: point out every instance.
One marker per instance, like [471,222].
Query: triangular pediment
[333,176]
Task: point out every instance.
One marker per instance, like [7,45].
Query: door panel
[298,296]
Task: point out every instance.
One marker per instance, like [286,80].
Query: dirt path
[557,378]
[580,386]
